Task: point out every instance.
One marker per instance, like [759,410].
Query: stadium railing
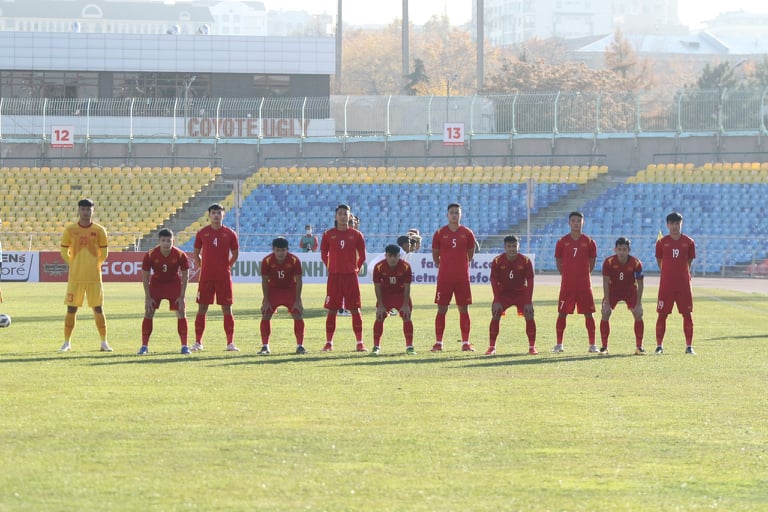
[352,117]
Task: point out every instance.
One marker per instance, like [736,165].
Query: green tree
[417,79]
[372,64]
[719,76]
[369,68]
[621,59]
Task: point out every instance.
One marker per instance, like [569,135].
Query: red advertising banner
[120,267]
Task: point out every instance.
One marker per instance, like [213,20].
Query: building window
[271,85]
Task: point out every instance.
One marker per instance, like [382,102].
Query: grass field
[345,431]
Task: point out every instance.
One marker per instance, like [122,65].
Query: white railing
[364,116]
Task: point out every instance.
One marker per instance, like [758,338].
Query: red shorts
[342,288]
[508,300]
[219,288]
[458,289]
[393,301]
[165,291]
[580,300]
[282,297]
[683,299]
[630,299]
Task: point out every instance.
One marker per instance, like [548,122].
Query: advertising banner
[248,266]
[120,267]
[20,267]
[126,267]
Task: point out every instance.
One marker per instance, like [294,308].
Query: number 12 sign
[62,136]
[453,134]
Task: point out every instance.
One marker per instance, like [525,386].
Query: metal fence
[361,116]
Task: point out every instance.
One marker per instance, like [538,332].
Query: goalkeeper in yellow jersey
[84,249]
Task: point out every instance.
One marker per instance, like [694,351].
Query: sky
[691,12]
[359,12]
[381,12]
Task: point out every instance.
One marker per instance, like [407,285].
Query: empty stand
[129,200]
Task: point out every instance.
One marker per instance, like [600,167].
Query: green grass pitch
[345,431]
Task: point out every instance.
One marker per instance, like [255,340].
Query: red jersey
[675,256]
[343,252]
[216,246]
[392,280]
[512,277]
[165,269]
[575,257]
[622,277]
[281,276]
[454,247]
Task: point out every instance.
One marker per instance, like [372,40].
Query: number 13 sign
[62,136]
[453,134]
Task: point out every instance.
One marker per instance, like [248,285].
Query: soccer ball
[5,320]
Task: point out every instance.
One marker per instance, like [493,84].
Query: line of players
[165,272]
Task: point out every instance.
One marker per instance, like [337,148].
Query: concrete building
[511,22]
[99,17]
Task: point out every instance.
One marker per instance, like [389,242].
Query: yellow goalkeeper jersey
[87,250]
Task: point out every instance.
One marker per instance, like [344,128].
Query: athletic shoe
[328,347]
[143,351]
[603,351]
[557,349]
[344,312]
[105,347]
[264,350]
[66,347]
[467,347]
[376,350]
[185,350]
[232,348]
[593,349]
[639,351]
[491,351]
[197,347]
[409,351]
[532,351]
[393,312]
[300,349]
[659,350]
[437,347]
[361,348]
[689,350]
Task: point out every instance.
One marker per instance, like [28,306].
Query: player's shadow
[524,359]
[738,337]
[26,358]
[475,360]
[162,358]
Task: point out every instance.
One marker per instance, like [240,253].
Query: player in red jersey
[575,255]
[216,250]
[342,249]
[512,284]
[392,285]
[622,281]
[453,247]
[281,285]
[165,272]
[674,254]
